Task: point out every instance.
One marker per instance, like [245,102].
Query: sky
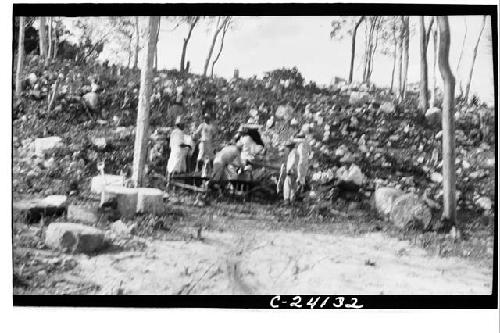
[254,45]
[258,44]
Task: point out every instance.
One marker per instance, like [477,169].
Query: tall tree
[406,52]
[434,62]
[448,121]
[224,30]
[399,65]
[221,20]
[457,71]
[20,56]
[157,39]
[192,20]
[142,128]
[474,55]
[136,51]
[43,38]
[344,26]
[49,53]
[424,83]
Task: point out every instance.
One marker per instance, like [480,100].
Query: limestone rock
[91,99]
[387,107]
[86,214]
[433,116]
[74,237]
[150,200]
[410,210]
[126,199]
[98,183]
[384,198]
[43,145]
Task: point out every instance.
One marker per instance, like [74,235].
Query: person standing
[206,132]
[303,154]
[288,174]
[177,160]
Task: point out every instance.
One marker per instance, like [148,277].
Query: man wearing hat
[206,133]
[177,160]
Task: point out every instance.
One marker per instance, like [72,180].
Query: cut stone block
[74,237]
[126,199]
[98,183]
[87,214]
[44,144]
[150,200]
[53,205]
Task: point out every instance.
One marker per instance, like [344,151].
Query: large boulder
[383,199]
[86,214]
[35,209]
[43,145]
[125,198]
[433,116]
[284,112]
[358,98]
[409,210]
[74,238]
[98,183]
[387,107]
[91,99]
[150,200]
[351,175]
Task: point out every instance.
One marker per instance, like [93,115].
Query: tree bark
[474,55]
[399,67]
[20,57]
[156,48]
[448,121]
[185,44]
[434,62]
[424,94]
[49,53]
[353,47]
[136,53]
[212,45]
[394,56]
[406,52]
[43,38]
[224,30]
[142,128]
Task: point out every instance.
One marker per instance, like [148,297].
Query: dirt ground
[253,249]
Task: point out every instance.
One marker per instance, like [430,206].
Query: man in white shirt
[206,133]
[228,156]
[288,174]
[177,160]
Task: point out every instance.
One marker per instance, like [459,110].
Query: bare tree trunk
[156,48]
[460,57]
[474,55]
[424,94]
[224,30]
[218,29]
[49,54]
[142,128]
[20,56]
[185,44]
[136,53]
[434,62]
[394,60]
[353,47]
[406,52]
[448,121]
[399,67]
[129,53]
[43,38]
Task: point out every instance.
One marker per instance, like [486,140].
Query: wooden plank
[189,187]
